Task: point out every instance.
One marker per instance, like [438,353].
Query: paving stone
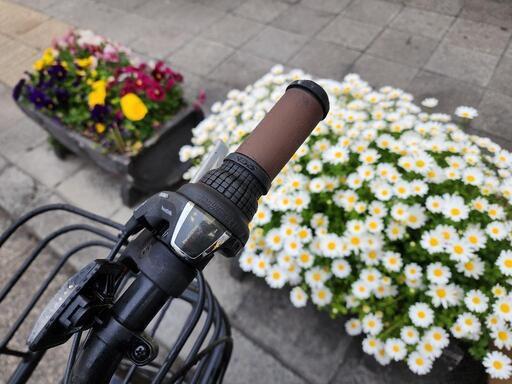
[374,12]
[15,59]
[305,339]
[20,192]
[464,64]
[192,17]
[42,164]
[403,47]
[486,38]
[379,72]
[3,163]
[495,115]
[241,69]
[350,33]
[223,5]
[421,22]
[445,7]
[232,30]
[160,42]
[303,20]
[22,136]
[251,364]
[275,44]
[334,6]
[42,36]
[16,19]
[494,12]
[502,78]
[93,190]
[125,5]
[9,111]
[450,92]
[508,52]
[201,56]
[122,215]
[504,143]
[35,4]
[261,10]
[215,91]
[324,59]
[159,9]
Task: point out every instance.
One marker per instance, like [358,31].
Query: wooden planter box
[156,167]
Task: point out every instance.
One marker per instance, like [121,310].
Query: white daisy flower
[298,297]
[293,246]
[428,349]
[498,365]
[331,245]
[434,204]
[372,324]
[466,112]
[262,216]
[496,212]
[317,185]
[430,102]
[469,322]
[305,259]
[396,349]
[472,176]
[496,230]
[504,262]
[382,357]
[421,315]
[314,167]
[493,321]
[419,363]
[437,273]
[353,327]
[371,345]
[395,231]
[335,155]
[503,308]
[455,208]
[319,220]
[413,271]
[260,266]
[438,337]
[341,268]
[476,301]
[445,295]
[316,277]
[377,209]
[285,259]
[392,261]
[274,239]
[371,277]
[321,296]
[473,268]
[374,224]
[432,241]
[360,290]
[246,261]
[369,156]
[276,277]
[502,337]
[475,237]
[459,250]
[410,335]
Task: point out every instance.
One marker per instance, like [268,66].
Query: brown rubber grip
[286,126]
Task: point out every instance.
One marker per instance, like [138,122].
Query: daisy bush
[389,215]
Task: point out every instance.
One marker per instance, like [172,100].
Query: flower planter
[155,167]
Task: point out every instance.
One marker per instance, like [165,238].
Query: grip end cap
[315,90]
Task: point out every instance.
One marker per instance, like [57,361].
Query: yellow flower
[84,63]
[39,65]
[98,94]
[48,56]
[133,107]
[100,128]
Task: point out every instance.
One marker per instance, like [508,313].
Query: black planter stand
[156,167]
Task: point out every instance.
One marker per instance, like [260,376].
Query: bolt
[141,352]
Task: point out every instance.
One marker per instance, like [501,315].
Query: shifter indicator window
[197,233]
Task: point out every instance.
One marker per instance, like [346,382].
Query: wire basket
[196,351]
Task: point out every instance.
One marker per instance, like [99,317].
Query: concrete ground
[456,50]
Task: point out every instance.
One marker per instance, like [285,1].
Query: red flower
[156,92]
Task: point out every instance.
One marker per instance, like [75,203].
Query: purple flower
[62,96]
[57,72]
[37,97]
[99,113]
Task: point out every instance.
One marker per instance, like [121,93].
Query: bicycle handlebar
[229,195]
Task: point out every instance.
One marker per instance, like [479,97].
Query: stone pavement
[456,50]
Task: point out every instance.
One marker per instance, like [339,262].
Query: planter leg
[60,150]
[235,271]
[131,195]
